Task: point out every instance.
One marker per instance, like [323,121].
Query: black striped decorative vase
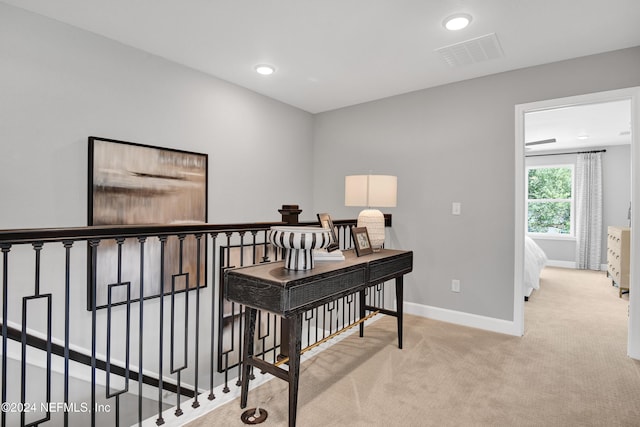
[298,244]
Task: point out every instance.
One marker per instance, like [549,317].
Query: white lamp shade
[371,190]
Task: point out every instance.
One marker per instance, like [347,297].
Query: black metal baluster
[275,338]
[374,296]
[163,243]
[241,234]
[37,246]
[224,367]
[330,308]
[117,393]
[350,305]
[195,403]
[49,298]
[221,353]
[68,244]
[93,247]
[241,318]
[142,241]
[178,371]
[5,318]
[214,237]
[345,238]
[265,258]
[317,320]
[324,320]
[108,395]
[308,319]
[367,297]
[264,337]
[254,247]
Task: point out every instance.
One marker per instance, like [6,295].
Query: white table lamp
[371,191]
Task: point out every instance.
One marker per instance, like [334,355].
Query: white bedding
[534,261]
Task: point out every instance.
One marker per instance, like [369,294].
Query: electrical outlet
[455,285]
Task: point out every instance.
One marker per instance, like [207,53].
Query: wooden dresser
[618,243]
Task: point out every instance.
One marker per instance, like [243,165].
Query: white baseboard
[460,318]
[561,264]
[569,264]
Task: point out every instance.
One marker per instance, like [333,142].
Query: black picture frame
[361,241]
[326,222]
[137,184]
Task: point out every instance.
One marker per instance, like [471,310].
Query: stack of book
[324,255]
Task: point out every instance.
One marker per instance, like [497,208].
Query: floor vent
[471,51]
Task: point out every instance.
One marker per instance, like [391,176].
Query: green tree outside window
[550,200]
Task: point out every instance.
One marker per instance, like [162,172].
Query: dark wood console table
[290,294]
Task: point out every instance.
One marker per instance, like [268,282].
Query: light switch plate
[456,208]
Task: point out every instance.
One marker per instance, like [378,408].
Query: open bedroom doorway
[537,110]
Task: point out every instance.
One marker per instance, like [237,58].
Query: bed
[534,261]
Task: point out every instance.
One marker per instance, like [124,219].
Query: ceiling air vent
[471,51]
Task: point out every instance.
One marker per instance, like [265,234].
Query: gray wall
[59,85]
[616,182]
[453,143]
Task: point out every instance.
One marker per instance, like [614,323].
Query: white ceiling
[334,53]
[579,127]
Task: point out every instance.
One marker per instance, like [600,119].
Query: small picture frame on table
[361,241]
[326,222]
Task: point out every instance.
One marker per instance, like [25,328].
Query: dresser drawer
[618,244]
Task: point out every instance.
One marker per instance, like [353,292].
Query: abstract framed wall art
[136,184]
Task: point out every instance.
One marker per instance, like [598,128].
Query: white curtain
[588,206]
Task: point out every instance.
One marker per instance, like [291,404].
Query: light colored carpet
[570,369]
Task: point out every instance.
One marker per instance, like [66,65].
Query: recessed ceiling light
[457,22]
[583,136]
[265,69]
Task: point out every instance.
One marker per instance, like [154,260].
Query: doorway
[632,94]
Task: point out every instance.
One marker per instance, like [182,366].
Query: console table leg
[284,338]
[247,353]
[399,308]
[295,344]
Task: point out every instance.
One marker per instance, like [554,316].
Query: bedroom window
[550,200]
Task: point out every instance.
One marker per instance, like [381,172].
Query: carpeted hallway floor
[570,369]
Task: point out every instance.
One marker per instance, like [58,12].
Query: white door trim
[633,347]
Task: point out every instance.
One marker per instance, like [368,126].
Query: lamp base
[373,219]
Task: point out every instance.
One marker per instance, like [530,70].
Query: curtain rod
[572,152]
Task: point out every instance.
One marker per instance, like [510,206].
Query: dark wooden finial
[290,214]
